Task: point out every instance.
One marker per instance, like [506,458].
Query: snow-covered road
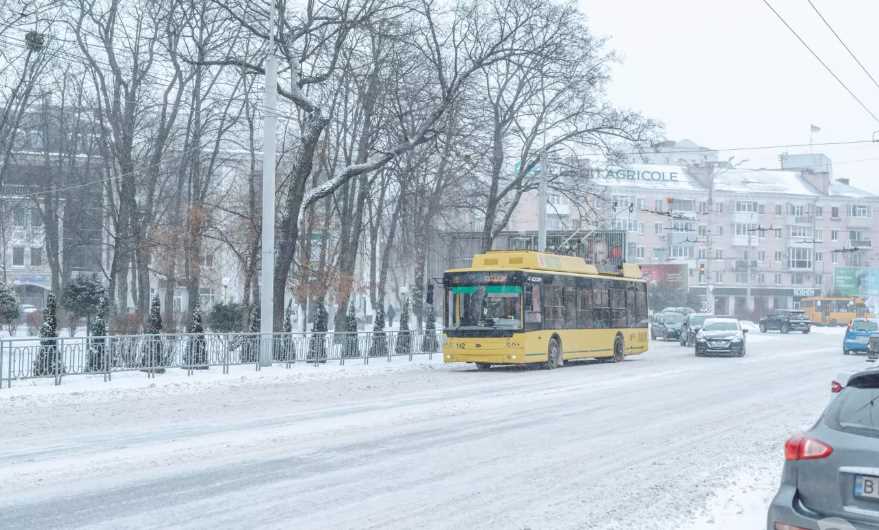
[643,444]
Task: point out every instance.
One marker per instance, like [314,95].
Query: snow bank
[743,503]
[176,380]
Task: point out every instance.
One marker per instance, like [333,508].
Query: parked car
[692,325]
[667,326]
[785,321]
[857,335]
[832,470]
[721,336]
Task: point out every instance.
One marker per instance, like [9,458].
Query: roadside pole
[541,207]
[267,276]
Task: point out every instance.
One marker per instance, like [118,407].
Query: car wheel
[554,355]
[762,328]
[619,351]
[785,328]
[482,366]
[742,353]
[846,352]
[806,331]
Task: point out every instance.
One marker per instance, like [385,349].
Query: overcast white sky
[727,73]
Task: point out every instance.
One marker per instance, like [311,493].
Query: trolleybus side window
[553,307]
[584,315]
[533,315]
[571,307]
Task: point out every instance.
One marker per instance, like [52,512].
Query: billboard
[667,275]
[856,281]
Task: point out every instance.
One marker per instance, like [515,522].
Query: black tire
[742,353]
[762,327]
[846,352]
[806,331]
[619,350]
[483,366]
[785,328]
[554,355]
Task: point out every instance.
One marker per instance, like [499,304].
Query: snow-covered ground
[663,441]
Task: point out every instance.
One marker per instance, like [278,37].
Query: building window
[819,211]
[36,218]
[761,255]
[720,207]
[800,258]
[18,256]
[834,258]
[798,278]
[718,277]
[703,230]
[834,212]
[859,210]
[777,278]
[657,228]
[778,233]
[746,206]
[834,235]
[658,205]
[19,216]
[779,209]
[819,236]
[819,279]
[819,256]
[640,252]
[801,232]
[36,256]
[718,253]
[856,235]
[797,210]
[631,250]
[761,278]
[702,252]
[741,277]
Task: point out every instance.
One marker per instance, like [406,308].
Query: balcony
[800,220]
[861,243]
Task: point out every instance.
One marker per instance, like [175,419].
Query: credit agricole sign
[635,175]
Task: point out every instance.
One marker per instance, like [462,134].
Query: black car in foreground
[721,336]
[785,321]
[831,472]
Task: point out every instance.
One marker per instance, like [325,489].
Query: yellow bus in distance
[834,310]
[527,307]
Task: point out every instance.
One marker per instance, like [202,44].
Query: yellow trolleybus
[834,310]
[524,307]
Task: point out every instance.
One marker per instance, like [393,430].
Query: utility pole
[709,285]
[541,206]
[270,102]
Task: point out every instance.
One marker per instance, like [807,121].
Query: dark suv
[785,321]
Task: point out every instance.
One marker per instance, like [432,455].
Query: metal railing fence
[29,358]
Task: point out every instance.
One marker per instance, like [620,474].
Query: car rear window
[856,409]
[864,325]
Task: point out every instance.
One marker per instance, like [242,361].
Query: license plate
[718,344]
[867,487]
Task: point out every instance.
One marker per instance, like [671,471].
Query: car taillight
[804,448]
[836,387]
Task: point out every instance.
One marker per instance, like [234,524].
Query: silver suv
[831,472]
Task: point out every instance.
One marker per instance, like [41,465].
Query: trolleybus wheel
[554,355]
[619,352]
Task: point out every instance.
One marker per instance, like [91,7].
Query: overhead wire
[820,60]
[844,45]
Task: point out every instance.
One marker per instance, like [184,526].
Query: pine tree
[430,344]
[317,344]
[404,336]
[350,348]
[379,346]
[10,312]
[250,345]
[285,349]
[197,354]
[153,358]
[48,359]
[97,361]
